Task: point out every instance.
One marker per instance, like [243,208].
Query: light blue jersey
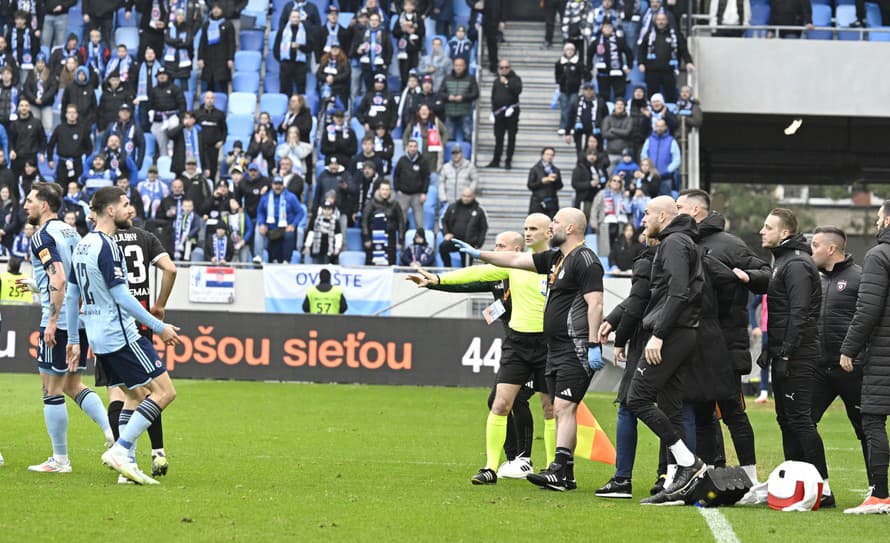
[98,266]
[52,242]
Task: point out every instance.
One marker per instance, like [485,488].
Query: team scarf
[183,227]
[156,15]
[333,37]
[324,226]
[287,38]
[23,55]
[684,107]
[600,14]
[372,38]
[177,55]
[114,159]
[548,166]
[592,106]
[191,144]
[424,143]
[121,65]
[608,46]
[13,102]
[220,244]
[672,42]
[38,80]
[125,135]
[300,7]
[237,224]
[96,56]
[282,210]
[143,83]
[213,30]
[648,17]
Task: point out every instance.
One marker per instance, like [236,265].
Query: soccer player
[99,280]
[573,312]
[51,249]
[141,249]
[524,352]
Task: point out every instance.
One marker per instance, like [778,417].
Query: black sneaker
[485,477]
[616,489]
[508,165]
[661,499]
[553,477]
[658,486]
[685,481]
[493,164]
[827,501]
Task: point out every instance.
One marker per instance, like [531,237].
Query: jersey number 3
[136,272]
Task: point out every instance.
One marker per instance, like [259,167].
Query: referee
[572,316]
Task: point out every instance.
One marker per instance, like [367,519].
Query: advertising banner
[367,290]
[311,348]
[213,285]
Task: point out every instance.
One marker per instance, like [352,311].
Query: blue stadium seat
[322,6]
[242,103]
[845,15]
[128,36]
[462,9]
[44,169]
[246,82]
[357,128]
[122,21]
[822,2]
[312,102]
[872,15]
[844,2]
[429,208]
[221,101]
[149,147]
[355,103]
[821,17]
[272,66]
[248,62]
[164,168]
[193,81]
[759,17]
[240,126]
[345,18]
[256,9]
[252,40]
[353,238]
[396,133]
[398,150]
[880,36]
[352,258]
[314,128]
[276,105]
[271,83]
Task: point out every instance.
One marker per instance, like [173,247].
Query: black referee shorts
[568,374]
[523,360]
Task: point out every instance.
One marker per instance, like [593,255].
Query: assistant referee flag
[593,443]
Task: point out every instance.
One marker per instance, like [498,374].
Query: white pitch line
[720,527]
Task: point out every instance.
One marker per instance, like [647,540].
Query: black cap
[333,9]
[588,85]
[126,107]
[339,113]
[379,78]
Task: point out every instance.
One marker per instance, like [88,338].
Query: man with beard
[573,312]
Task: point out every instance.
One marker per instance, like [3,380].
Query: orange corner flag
[593,443]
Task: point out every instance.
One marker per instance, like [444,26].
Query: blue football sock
[145,414]
[123,421]
[91,404]
[56,416]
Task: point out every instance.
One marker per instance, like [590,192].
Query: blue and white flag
[367,290]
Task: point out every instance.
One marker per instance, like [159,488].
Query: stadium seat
[242,103]
[398,150]
[240,126]
[322,6]
[845,15]
[590,241]
[272,66]
[251,40]
[149,147]
[759,17]
[248,62]
[165,164]
[353,238]
[128,36]
[352,258]
[872,15]
[246,82]
[122,21]
[220,101]
[396,133]
[275,105]
[314,129]
[193,82]
[880,36]
[271,83]
[44,169]
[821,17]
[312,102]
[345,18]
[257,10]
[357,127]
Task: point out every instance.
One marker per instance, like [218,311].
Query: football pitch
[303,462]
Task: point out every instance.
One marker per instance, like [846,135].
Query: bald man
[572,317]
[524,354]
[671,318]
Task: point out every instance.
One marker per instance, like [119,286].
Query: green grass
[298,462]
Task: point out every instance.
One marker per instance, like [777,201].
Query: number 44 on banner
[474,359]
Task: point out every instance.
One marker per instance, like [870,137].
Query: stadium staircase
[503,193]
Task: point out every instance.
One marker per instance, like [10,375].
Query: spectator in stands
[602,14]
[295,150]
[587,178]
[663,49]
[384,148]
[236,160]
[626,167]
[338,139]
[97,176]
[409,33]
[586,115]
[166,103]
[612,60]
[153,191]
[299,115]
[294,181]
[346,200]
[27,139]
[21,244]
[132,138]
[791,13]
[39,91]
[411,178]
[505,110]
[241,228]
[123,182]
[609,214]
[367,181]
[9,95]
[570,72]
[94,55]
[437,64]
[429,97]
[418,252]
[461,92]
[292,49]
[216,51]
[458,174]
[574,23]
[459,46]
[324,238]
[6,57]
[119,162]
[729,13]
[617,131]
[219,202]
[688,109]
[144,79]
[23,43]
[328,182]
[334,74]
[11,218]
[69,69]
[219,248]
[544,182]
[384,215]
[213,133]
[179,45]
[366,154]
[186,229]
[372,47]
[71,140]
[409,99]
[625,249]
[465,220]
[640,114]
[493,17]
[249,190]
[278,216]
[23,181]
[171,205]
[82,95]
[99,15]
[307,11]
[262,148]
[114,95]
[656,7]
[57,57]
[378,107]
[152,24]
[662,149]
[658,110]
[331,34]
[55,22]
[198,188]
[443,13]
[430,135]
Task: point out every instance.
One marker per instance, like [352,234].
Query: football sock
[91,404]
[56,416]
[751,472]
[880,487]
[826,490]
[142,418]
[563,457]
[682,454]
[156,434]
[114,416]
[495,432]
[570,468]
[669,476]
[525,428]
[511,447]
[550,439]
[123,421]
